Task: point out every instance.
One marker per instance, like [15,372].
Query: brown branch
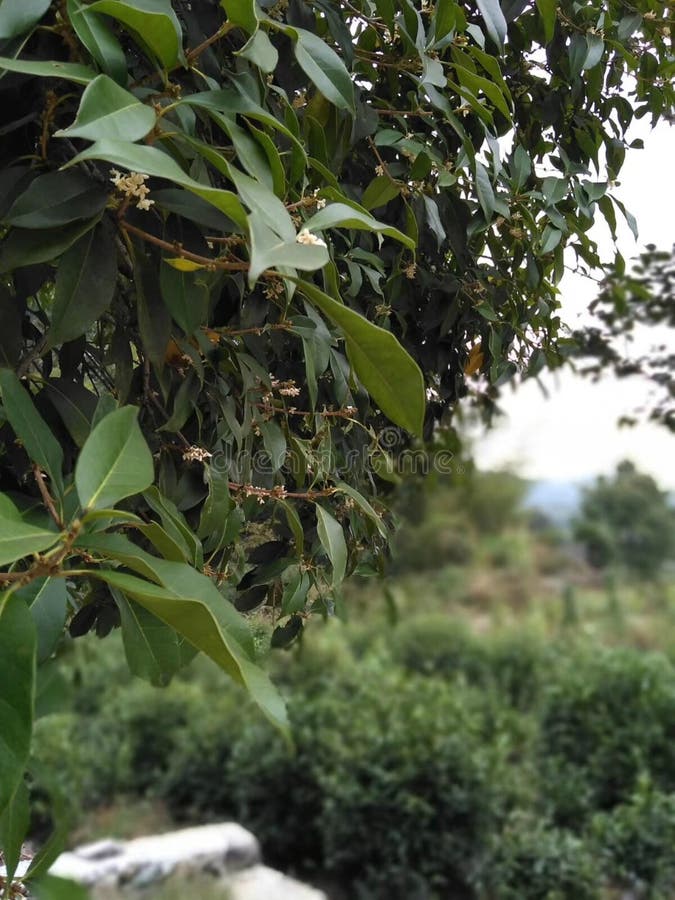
[46,496]
[197,51]
[258,330]
[346,413]
[179,250]
[279,492]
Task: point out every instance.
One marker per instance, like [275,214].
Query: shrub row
[436,765]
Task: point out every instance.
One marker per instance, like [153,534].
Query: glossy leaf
[388,373]
[85,285]
[68,71]
[153,22]
[48,601]
[188,607]
[19,16]
[115,462]
[153,650]
[99,40]
[108,111]
[17,692]
[25,248]
[268,251]
[41,445]
[152,161]
[17,538]
[333,542]
[57,199]
[547,9]
[494,20]
[379,192]
[339,215]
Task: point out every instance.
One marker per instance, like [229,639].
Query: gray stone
[261,883]
[217,849]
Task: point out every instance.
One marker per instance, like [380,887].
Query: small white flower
[306,237]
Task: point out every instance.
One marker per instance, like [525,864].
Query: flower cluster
[133,187]
[196,454]
[306,237]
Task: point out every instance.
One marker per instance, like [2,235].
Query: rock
[215,849]
[261,883]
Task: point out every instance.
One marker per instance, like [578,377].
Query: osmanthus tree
[248,252]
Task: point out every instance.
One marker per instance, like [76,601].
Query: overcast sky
[573,434]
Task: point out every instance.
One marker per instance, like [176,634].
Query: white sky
[573,434]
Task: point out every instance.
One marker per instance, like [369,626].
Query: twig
[197,51]
[46,496]
[179,250]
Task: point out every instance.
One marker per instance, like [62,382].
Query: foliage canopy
[247,249]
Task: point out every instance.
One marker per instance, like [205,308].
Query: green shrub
[608,716]
[637,843]
[439,645]
[535,862]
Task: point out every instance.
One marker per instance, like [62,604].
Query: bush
[535,862]
[637,843]
[411,792]
[606,718]
[439,645]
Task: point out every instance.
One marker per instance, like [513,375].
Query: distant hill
[558,499]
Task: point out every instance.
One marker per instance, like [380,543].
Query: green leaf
[379,192]
[195,609]
[274,442]
[333,542]
[547,9]
[325,68]
[14,823]
[68,71]
[495,22]
[108,111]
[152,161]
[361,501]
[48,601]
[339,215]
[152,22]
[241,13]
[57,199]
[260,50]
[85,285]
[99,40]
[25,248]
[17,692]
[115,461]
[41,445]
[17,538]
[217,507]
[388,373]
[477,83]
[486,195]
[269,251]
[19,16]
[153,650]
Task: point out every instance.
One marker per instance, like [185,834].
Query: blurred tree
[636,304]
[627,522]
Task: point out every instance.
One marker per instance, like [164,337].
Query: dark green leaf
[547,9]
[153,649]
[48,601]
[25,248]
[41,445]
[85,285]
[57,199]
[339,215]
[99,40]
[17,692]
[14,823]
[379,192]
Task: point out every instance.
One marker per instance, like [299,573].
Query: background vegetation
[495,722]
